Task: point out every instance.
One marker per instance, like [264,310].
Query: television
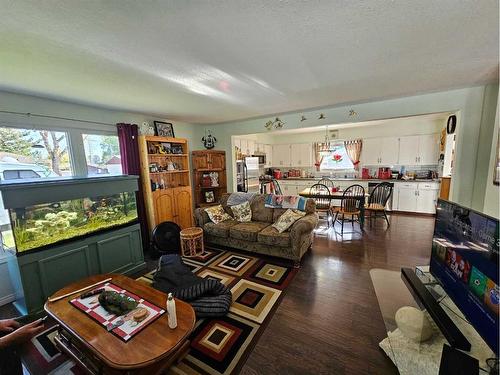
[465,262]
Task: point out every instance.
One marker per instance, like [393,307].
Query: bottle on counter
[172,314]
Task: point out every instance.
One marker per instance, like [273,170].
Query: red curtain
[128,136]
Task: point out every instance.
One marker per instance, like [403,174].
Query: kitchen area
[414,154]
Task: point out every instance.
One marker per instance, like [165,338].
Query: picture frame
[176,149]
[164,129]
[209,196]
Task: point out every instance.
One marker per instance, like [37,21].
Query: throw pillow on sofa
[242,212]
[286,220]
[217,214]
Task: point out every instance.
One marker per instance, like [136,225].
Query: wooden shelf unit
[205,162]
[174,202]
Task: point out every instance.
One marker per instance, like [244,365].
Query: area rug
[220,345]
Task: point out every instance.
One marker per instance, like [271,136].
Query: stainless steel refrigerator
[247,175]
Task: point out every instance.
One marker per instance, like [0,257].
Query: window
[26,154]
[102,153]
[337,159]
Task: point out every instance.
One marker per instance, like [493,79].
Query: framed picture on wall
[209,197]
[164,129]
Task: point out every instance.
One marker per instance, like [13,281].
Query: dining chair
[322,204]
[350,205]
[327,182]
[276,187]
[378,200]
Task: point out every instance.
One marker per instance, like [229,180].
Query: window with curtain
[337,159]
[102,154]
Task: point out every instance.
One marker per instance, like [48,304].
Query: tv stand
[425,299]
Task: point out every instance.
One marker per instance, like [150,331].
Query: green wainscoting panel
[44,272]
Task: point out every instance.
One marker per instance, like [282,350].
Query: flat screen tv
[465,262]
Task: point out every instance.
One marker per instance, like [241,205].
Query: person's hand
[8,325]
[23,333]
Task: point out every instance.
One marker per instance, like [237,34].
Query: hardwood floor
[329,321]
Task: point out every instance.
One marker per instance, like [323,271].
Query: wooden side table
[192,242]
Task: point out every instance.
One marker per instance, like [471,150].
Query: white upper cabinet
[389,151]
[250,147]
[301,155]
[380,151]
[370,151]
[428,149]
[281,155]
[408,150]
[419,149]
[268,150]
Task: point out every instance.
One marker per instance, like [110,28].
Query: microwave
[261,157]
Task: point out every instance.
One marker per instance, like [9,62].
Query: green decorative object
[116,303]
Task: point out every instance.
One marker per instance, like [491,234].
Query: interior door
[164,206]
[389,150]
[428,149]
[370,151]
[184,207]
[408,150]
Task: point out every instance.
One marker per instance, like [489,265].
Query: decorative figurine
[209,140]
[214,177]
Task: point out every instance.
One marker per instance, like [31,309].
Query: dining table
[339,195]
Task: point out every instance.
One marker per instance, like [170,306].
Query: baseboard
[7,299]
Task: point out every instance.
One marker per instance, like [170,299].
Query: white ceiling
[221,60]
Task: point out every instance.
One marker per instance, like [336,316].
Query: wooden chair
[327,182]
[349,206]
[322,204]
[378,200]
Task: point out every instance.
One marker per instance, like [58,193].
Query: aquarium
[40,225]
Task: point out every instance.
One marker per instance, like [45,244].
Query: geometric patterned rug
[221,345]
[218,345]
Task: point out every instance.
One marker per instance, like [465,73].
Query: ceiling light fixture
[324,149]
[276,124]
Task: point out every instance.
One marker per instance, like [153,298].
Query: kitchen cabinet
[419,149]
[301,155]
[417,197]
[380,151]
[247,146]
[281,155]
[250,147]
[268,150]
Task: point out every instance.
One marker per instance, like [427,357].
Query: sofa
[258,236]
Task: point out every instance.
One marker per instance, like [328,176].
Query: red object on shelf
[384,173]
[277,174]
[365,173]
[206,181]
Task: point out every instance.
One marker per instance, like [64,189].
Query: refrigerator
[247,175]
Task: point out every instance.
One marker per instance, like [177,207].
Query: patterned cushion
[217,214]
[247,231]
[286,220]
[242,212]
[277,213]
[271,236]
[219,230]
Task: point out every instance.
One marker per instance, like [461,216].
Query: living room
[147,148]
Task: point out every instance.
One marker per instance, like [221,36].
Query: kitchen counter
[356,179]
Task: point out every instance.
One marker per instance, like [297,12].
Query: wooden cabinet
[380,151]
[419,149]
[301,155]
[281,155]
[204,163]
[167,191]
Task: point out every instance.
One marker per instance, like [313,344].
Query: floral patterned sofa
[259,236]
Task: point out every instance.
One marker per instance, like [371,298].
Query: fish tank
[40,225]
[47,212]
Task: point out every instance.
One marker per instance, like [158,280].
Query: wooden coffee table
[98,351]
